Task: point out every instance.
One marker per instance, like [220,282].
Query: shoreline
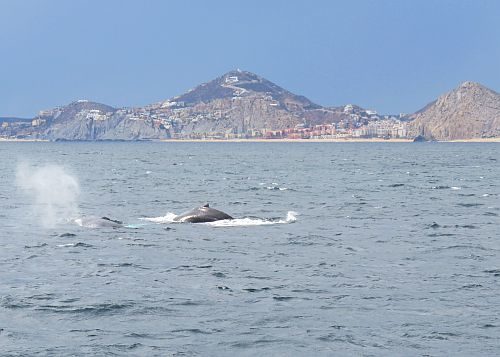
[479,140]
[350,140]
[7,140]
[353,140]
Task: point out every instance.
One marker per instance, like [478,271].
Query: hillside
[241,104]
[469,111]
[241,84]
[237,103]
[85,120]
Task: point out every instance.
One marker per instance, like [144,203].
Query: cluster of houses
[385,129]
[356,123]
[11,127]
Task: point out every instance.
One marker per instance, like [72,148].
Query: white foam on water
[455,188]
[247,222]
[276,188]
[168,218]
[237,222]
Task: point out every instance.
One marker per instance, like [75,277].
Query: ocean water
[343,249]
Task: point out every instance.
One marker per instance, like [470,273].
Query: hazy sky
[392,56]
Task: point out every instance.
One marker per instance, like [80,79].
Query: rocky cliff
[467,112]
[85,120]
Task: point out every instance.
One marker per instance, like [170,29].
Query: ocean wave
[95,309]
[168,218]
[444,187]
[245,222]
[41,245]
[76,245]
[277,188]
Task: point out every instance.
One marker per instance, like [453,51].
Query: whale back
[202,214]
[98,222]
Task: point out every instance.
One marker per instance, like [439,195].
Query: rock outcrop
[469,111]
[84,120]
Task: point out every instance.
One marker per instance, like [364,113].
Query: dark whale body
[202,214]
[99,222]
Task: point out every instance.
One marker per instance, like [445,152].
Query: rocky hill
[242,84]
[469,111]
[241,104]
[237,103]
[85,120]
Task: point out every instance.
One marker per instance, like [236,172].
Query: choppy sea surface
[343,249]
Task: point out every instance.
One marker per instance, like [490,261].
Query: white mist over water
[54,192]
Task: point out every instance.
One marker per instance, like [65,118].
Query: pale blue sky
[392,56]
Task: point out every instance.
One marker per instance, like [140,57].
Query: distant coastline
[349,140]
[373,140]
[241,106]
[23,140]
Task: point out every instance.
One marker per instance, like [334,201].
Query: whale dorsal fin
[206,205]
[112,220]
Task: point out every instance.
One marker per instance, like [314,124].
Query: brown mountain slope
[239,102]
[467,112]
